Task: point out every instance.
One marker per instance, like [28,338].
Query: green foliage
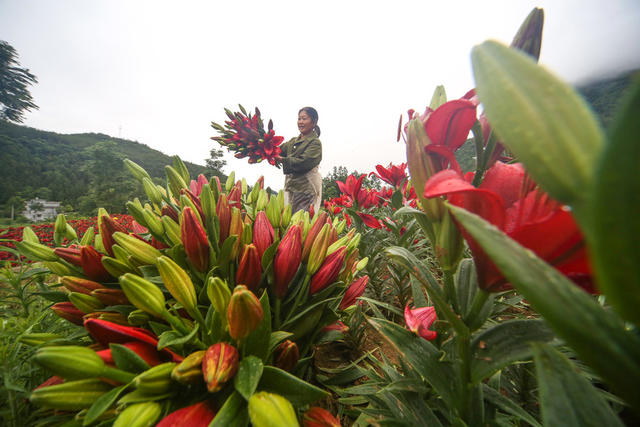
[605,95]
[71,165]
[15,98]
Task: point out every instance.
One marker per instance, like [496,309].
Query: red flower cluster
[45,232]
[245,135]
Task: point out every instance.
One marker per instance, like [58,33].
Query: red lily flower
[68,311]
[198,415]
[392,174]
[419,320]
[108,226]
[510,201]
[319,417]
[369,220]
[352,187]
[196,186]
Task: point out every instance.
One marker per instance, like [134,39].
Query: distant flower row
[45,232]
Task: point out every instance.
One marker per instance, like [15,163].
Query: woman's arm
[303,161]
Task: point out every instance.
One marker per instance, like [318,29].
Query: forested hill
[81,170]
[605,95]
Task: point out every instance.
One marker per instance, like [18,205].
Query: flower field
[506,295]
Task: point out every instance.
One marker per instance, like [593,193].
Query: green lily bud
[139,249]
[58,268]
[271,410]
[153,223]
[529,36]
[354,242]
[179,284]
[175,181]
[318,249]
[262,201]
[438,98]
[219,365]
[306,224]
[85,303]
[255,192]
[87,238]
[70,395]
[280,198]
[36,251]
[244,186]
[28,235]
[115,267]
[449,243]
[297,217]
[138,318]
[70,362]
[143,414]
[135,210]
[189,371]
[231,180]
[338,244]
[286,217]
[179,166]
[244,313]
[152,191]
[185,201]
[362,263]
[172,229]
[273,213]
[156,380]
[136,170]
[339,226]
[59,229]
[207,201]
[219,295]
[143,294]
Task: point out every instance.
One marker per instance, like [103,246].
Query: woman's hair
[313,115]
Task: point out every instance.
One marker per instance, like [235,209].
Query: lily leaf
[566,397]
[248,376]
[598,336]
[616,213]
[297,391]
[540,118]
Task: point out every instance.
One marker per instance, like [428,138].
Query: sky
[159,72]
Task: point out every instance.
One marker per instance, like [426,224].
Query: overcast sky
[159,72]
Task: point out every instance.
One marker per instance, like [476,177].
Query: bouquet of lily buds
[244,134]
[205,314]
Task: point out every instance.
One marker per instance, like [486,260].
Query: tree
[15,97]
[215,163]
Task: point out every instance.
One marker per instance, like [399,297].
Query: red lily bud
[260,182]
[170,212]
[286,355]
[249,268]
[223,211]
[355,290]
[68,311]
[146,351]
[219,365]
[312,234]
[71,255]
[110,296]
[78,284]
[244,312]
[328,272]
[235,195]
[107,227]
[319,417]
[198,415]
[194,239]
[92,265]
[287,259]
[106,332]
[262,233]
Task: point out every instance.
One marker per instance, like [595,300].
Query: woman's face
[305,124]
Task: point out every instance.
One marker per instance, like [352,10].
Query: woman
[300,159]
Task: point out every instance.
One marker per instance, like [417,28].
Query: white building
[43,209]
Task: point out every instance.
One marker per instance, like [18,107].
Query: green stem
[276,314]
[301,294]
[450,290]
[464,359]
[117,375]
